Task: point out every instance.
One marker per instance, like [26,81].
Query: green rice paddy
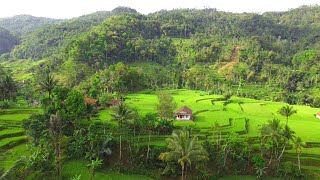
[304,123]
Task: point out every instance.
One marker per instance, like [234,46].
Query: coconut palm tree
[47,83]
[287,111]
[288,133]
[122,114]
[7,87]
[56,132]
[298,146]
[273,132]
[185,150]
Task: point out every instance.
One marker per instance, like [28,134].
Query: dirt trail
[234,58]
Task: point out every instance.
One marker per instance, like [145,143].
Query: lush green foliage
[166,105]
[184,150]
[51,39]
[21,25]
[210,61]
[8,86]
[8,41]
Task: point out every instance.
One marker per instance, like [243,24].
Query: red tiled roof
[318,114]
[185,109]
[90,101]
[115,102]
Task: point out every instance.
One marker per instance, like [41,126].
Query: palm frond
[10,173]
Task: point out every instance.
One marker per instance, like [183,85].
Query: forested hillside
[21,25]
[197,49]
[51,39]
[7,41]
[204,49]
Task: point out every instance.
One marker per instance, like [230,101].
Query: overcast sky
[74,8]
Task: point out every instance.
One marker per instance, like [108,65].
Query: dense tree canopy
[185,48]
[7,41]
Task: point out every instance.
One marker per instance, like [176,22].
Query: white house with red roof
[184,113]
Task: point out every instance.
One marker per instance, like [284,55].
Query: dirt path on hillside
[233,60]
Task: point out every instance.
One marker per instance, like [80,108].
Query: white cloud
[73,8]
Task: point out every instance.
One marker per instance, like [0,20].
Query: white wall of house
[318,116]
[183,117]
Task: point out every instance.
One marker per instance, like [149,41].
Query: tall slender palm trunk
[120,150]
[299,163]
[182,171]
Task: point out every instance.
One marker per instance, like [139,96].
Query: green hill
[51,39]
[7,41]
[22,25]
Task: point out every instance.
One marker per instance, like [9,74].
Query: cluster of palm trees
[288,111]
[8,87]
[187,151]
[280,136]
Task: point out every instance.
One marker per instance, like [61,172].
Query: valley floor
[13,139]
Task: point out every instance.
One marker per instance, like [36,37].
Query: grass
[313,168]
[11,116]
[21,69]
[306,151]
[10,132]
[14,117]
[8,158]
[20,111]
[12,140]
[79,167]
[105,115]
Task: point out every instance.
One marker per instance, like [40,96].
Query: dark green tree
[166,106]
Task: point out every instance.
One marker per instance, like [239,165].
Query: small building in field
[90,101]
[114,102]
[184,114]
[318,115]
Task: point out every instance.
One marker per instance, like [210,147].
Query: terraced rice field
[304,123]
[12,136]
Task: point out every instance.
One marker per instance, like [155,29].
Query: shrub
[316,102]
[289,169]
[258,161]
[227,96]
[104,99]
[6,104]
[21,102]
[259,165]
[42,160]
